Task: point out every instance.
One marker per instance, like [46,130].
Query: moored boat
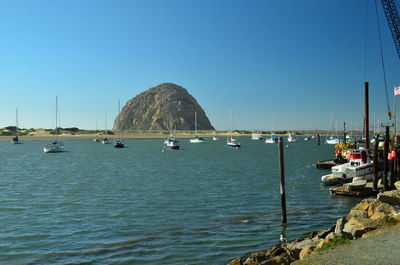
[359,165]
[56,146]
[256,136]
[272,140]
[171,143]
[292,137]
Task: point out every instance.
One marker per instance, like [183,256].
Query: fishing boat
[272,140]
[359,165]
[170,143]
[196,139]
[230,141]
[256,136]
[292,137]
[56,146]
[16,139]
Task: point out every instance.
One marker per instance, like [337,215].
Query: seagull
[282,239]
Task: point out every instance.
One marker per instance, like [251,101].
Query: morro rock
[163,107]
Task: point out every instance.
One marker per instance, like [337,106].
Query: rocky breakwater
[368,215]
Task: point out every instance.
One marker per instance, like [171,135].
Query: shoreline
[370,218]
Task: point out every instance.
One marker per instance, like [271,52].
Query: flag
[397,90]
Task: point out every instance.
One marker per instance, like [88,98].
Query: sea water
[202,204]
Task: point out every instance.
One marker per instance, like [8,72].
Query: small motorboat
[119,143]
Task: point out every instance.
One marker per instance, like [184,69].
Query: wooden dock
[325,164]
[367,191]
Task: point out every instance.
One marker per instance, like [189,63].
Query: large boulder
[357,226]
[392,197]
[163,107]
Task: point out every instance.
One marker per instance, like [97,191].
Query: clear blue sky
[303,60]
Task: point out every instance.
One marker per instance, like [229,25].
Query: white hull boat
[359,166]
[256,136]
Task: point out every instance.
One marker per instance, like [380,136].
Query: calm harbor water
[203,204]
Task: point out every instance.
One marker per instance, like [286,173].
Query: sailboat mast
[195,122]
[16,122]
[56,115]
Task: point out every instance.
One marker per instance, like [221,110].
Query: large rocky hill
[163,107]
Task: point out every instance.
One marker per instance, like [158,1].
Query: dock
[326,164]
[344,191]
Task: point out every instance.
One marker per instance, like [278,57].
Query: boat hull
[53,148]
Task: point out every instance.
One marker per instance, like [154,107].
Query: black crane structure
[392,16]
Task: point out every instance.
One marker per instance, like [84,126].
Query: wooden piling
[366,145]
[375,166]
[319,139]
[282,178]
[385,160]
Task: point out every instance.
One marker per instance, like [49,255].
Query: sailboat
[16,140]
[56,146]
[119,143]
[274,138]
[332,139]
[96,139]
[196,140]
[230,141]
[105,140]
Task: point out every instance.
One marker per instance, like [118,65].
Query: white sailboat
[196,139]
[119,143]
[96,139]
[292,137]
[256,136]
[273,139]
[56,146]
[332,139]
[230,141]
[16,140]
[105,140]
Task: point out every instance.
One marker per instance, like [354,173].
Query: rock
[378,215]
[363,205]
[330,236]
[256,258]
[357,226]
[237,261]
[323,233]
[372,207]
[392,197]
[164,107]
[305,252]
[339,226]
[357,213]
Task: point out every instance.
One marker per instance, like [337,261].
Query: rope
[383,63]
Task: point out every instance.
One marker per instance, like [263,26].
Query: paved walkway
[381,247]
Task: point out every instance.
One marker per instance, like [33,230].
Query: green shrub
[390,220]
[335,242]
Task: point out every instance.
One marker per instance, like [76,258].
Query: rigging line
[366,40]
[383,63]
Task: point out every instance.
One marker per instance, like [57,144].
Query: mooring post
[392,165]
[366,144]
[282,175]
[385,159]
[319,139]
[344,133]
[375,165]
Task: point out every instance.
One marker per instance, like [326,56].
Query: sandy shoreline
[45,135]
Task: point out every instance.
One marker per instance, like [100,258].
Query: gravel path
[381,247]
